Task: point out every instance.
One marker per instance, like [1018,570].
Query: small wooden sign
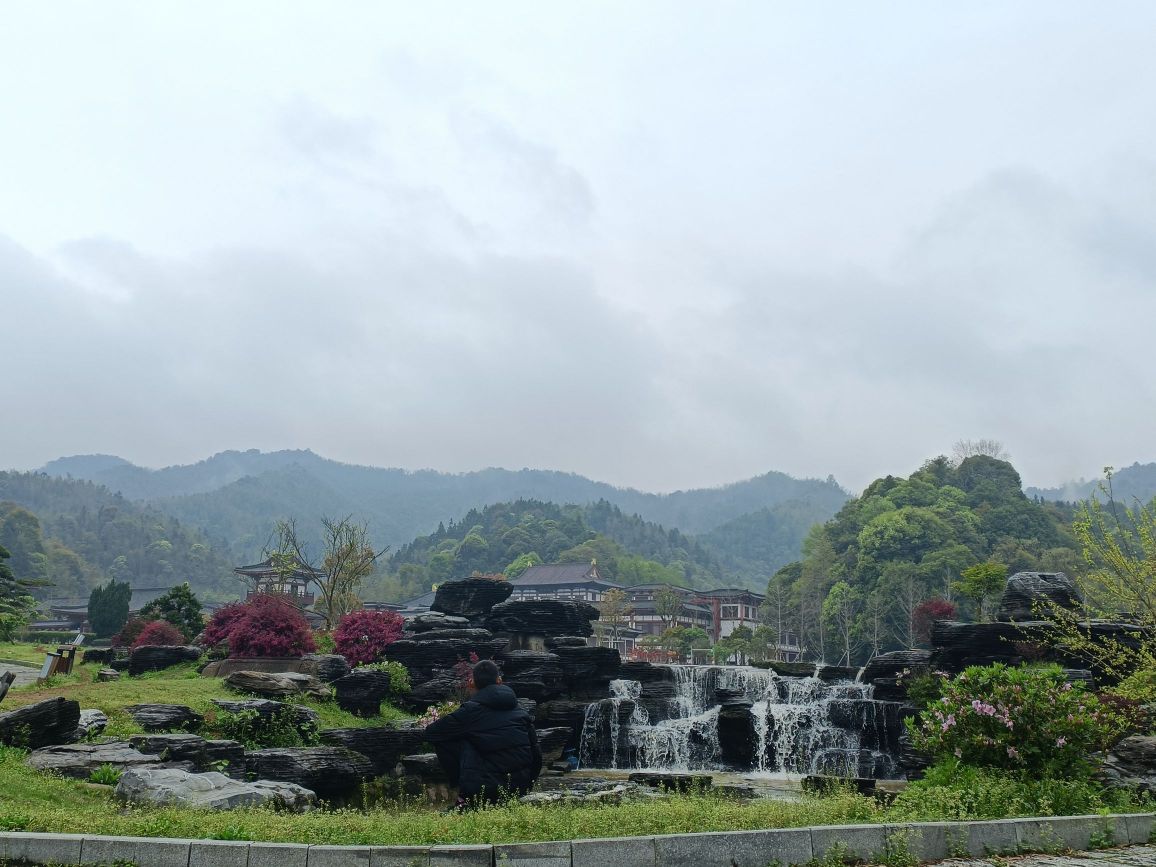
[51,660]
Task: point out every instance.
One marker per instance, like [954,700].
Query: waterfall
[797,725]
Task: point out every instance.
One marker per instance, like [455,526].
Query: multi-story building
[645,616]
[580,582]
[731,607]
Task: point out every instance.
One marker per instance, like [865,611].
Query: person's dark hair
[486,673]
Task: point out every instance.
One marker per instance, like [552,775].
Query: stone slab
[461,856]
[554,854]
[856,842]
[1140,827]
[41,848]
[278,855]
[339,856]
[997,837]
[613,852]
[399,856]
[219,853]
[153,851]
[927,841]
[734,848]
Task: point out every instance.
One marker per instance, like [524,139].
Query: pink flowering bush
[1028,719]
[362,636]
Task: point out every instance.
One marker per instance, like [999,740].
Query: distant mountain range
[235,497]
[1131,485]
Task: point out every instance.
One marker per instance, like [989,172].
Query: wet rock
[1033,595]
[362,691]
[542,617]
[80,760]
[436,620]
[470,597]
[91,723]
[213,791]
[327,667]
[52,721]
[643,672]
[553,741]
[164,717]
[382,745]
[672,782]
[738,741]
[561,713]
[331,772]
[154,658]
[277,685]
[592,792]
[912,763]
[879,723]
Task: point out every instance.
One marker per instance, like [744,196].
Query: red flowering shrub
[927,612]
[261,626]
[362,636]
[129,632]
[159,632]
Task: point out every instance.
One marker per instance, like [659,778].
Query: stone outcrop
[542,617]
[164,717]
[326,667]
[52,721]
[382,745]
[154,657]
[1131,764]
[195,750]
[891,672]
[331,772]
[362,691]
[80,760]
[423,656]
[277,685]
[470,597]
[214,791]
[1033,595]
[531,674]
[92,722]
[436,620]
[587,671]
[553,742]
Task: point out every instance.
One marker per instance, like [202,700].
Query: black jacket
[499,745]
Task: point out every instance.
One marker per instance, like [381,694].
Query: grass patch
[180,684]
[30,801]
[23,651]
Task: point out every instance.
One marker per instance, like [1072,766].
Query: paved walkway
[24,674]
[1132,856]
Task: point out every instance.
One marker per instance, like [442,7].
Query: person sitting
[488,746]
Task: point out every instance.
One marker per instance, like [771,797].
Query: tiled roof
[561,573]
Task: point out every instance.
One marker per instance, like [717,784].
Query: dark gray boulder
[891,673]
[277,685]
[1032,595]
[587,671]
[327,667]
[305,719]
[382,745]
[531,674]
[423,656]
[436,620]
[164,717]
[92,722]
[1131,764]
[331,772]
[542,617]
[52,721]
[470,597]
[161,787]
[175,747]
[362,691]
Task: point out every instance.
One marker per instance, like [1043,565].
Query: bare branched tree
[349,560]
[971,448]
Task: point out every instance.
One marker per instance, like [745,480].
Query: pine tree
[108,607]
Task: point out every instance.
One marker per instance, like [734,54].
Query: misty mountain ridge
[1130,485]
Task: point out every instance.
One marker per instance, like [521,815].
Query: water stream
[784,725]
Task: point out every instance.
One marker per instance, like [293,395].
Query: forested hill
[236,496]
[510,537]
[1131,485]
[76,534]
[903,541]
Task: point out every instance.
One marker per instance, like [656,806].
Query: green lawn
[23,651]
[177,685]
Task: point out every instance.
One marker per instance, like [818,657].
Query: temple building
[265,579]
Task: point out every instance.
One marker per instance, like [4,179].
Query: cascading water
[797,725]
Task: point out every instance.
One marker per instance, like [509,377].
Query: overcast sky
[660,244]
